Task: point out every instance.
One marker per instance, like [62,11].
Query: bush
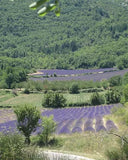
[121,153]
[54,99]
[11,146]
[125,78]
[79,104]
[90,90]
[125,93]
[26,91]
[74,89]
[113,96]
[113,155]
[38,86]
[97,99]
[115,81]
[49,127]
[27,118]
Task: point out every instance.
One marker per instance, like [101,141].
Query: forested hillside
[88,34]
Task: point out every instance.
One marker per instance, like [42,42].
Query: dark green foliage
[100,27]
[49,127]
[125,79]
[11,146]
[115,81]
[79,104]
[121,153]
[113,96]
[74,89]
[53,100]
[105,84]
[113,155]
[90,90]
[97,99]
[27,117]
[125,93]
[26,91]
[11,76]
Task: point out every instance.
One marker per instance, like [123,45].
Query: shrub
[27,117]
[121,153]
[38,86]
[115,81]
[26,91]
[97,99]
[11,146]
[54,99]
[125,93]
[125,78]
[90,90]
[113,155]
[74,89]
[113,96]
[49,127]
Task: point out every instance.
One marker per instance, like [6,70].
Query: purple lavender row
[78,126]
[62,116]
[9,126]
[110,125]
[88,126]
[66,128]
[77,113]
[69,72]
[99,124]
[94,77]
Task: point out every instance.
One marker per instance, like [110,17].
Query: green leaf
[57,12]
[51,7]
[45,10]
[42,11]
[35,5]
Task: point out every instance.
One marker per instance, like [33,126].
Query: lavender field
[62,72]
[96,75]
[69,120]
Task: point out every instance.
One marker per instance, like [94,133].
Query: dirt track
[51,155]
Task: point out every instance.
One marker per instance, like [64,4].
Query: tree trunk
[27,140]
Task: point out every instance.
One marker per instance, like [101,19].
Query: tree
[27,117]
[115,81]
[49,127]
[113,96]
[125,78]
[125,93]
[54,99]
[74,88]
[96,99]
[9,80]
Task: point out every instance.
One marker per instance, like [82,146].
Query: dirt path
[51,155]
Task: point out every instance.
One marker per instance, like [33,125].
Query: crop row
[60,72]
[70,120]
[95,77]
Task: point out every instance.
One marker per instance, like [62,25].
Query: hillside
[88,34]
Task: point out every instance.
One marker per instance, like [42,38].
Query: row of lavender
[70,120]
[62,72]
[95,77]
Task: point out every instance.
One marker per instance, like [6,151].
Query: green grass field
[8,99]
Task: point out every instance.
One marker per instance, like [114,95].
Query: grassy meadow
[9,99]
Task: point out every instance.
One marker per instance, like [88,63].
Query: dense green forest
[88,34]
